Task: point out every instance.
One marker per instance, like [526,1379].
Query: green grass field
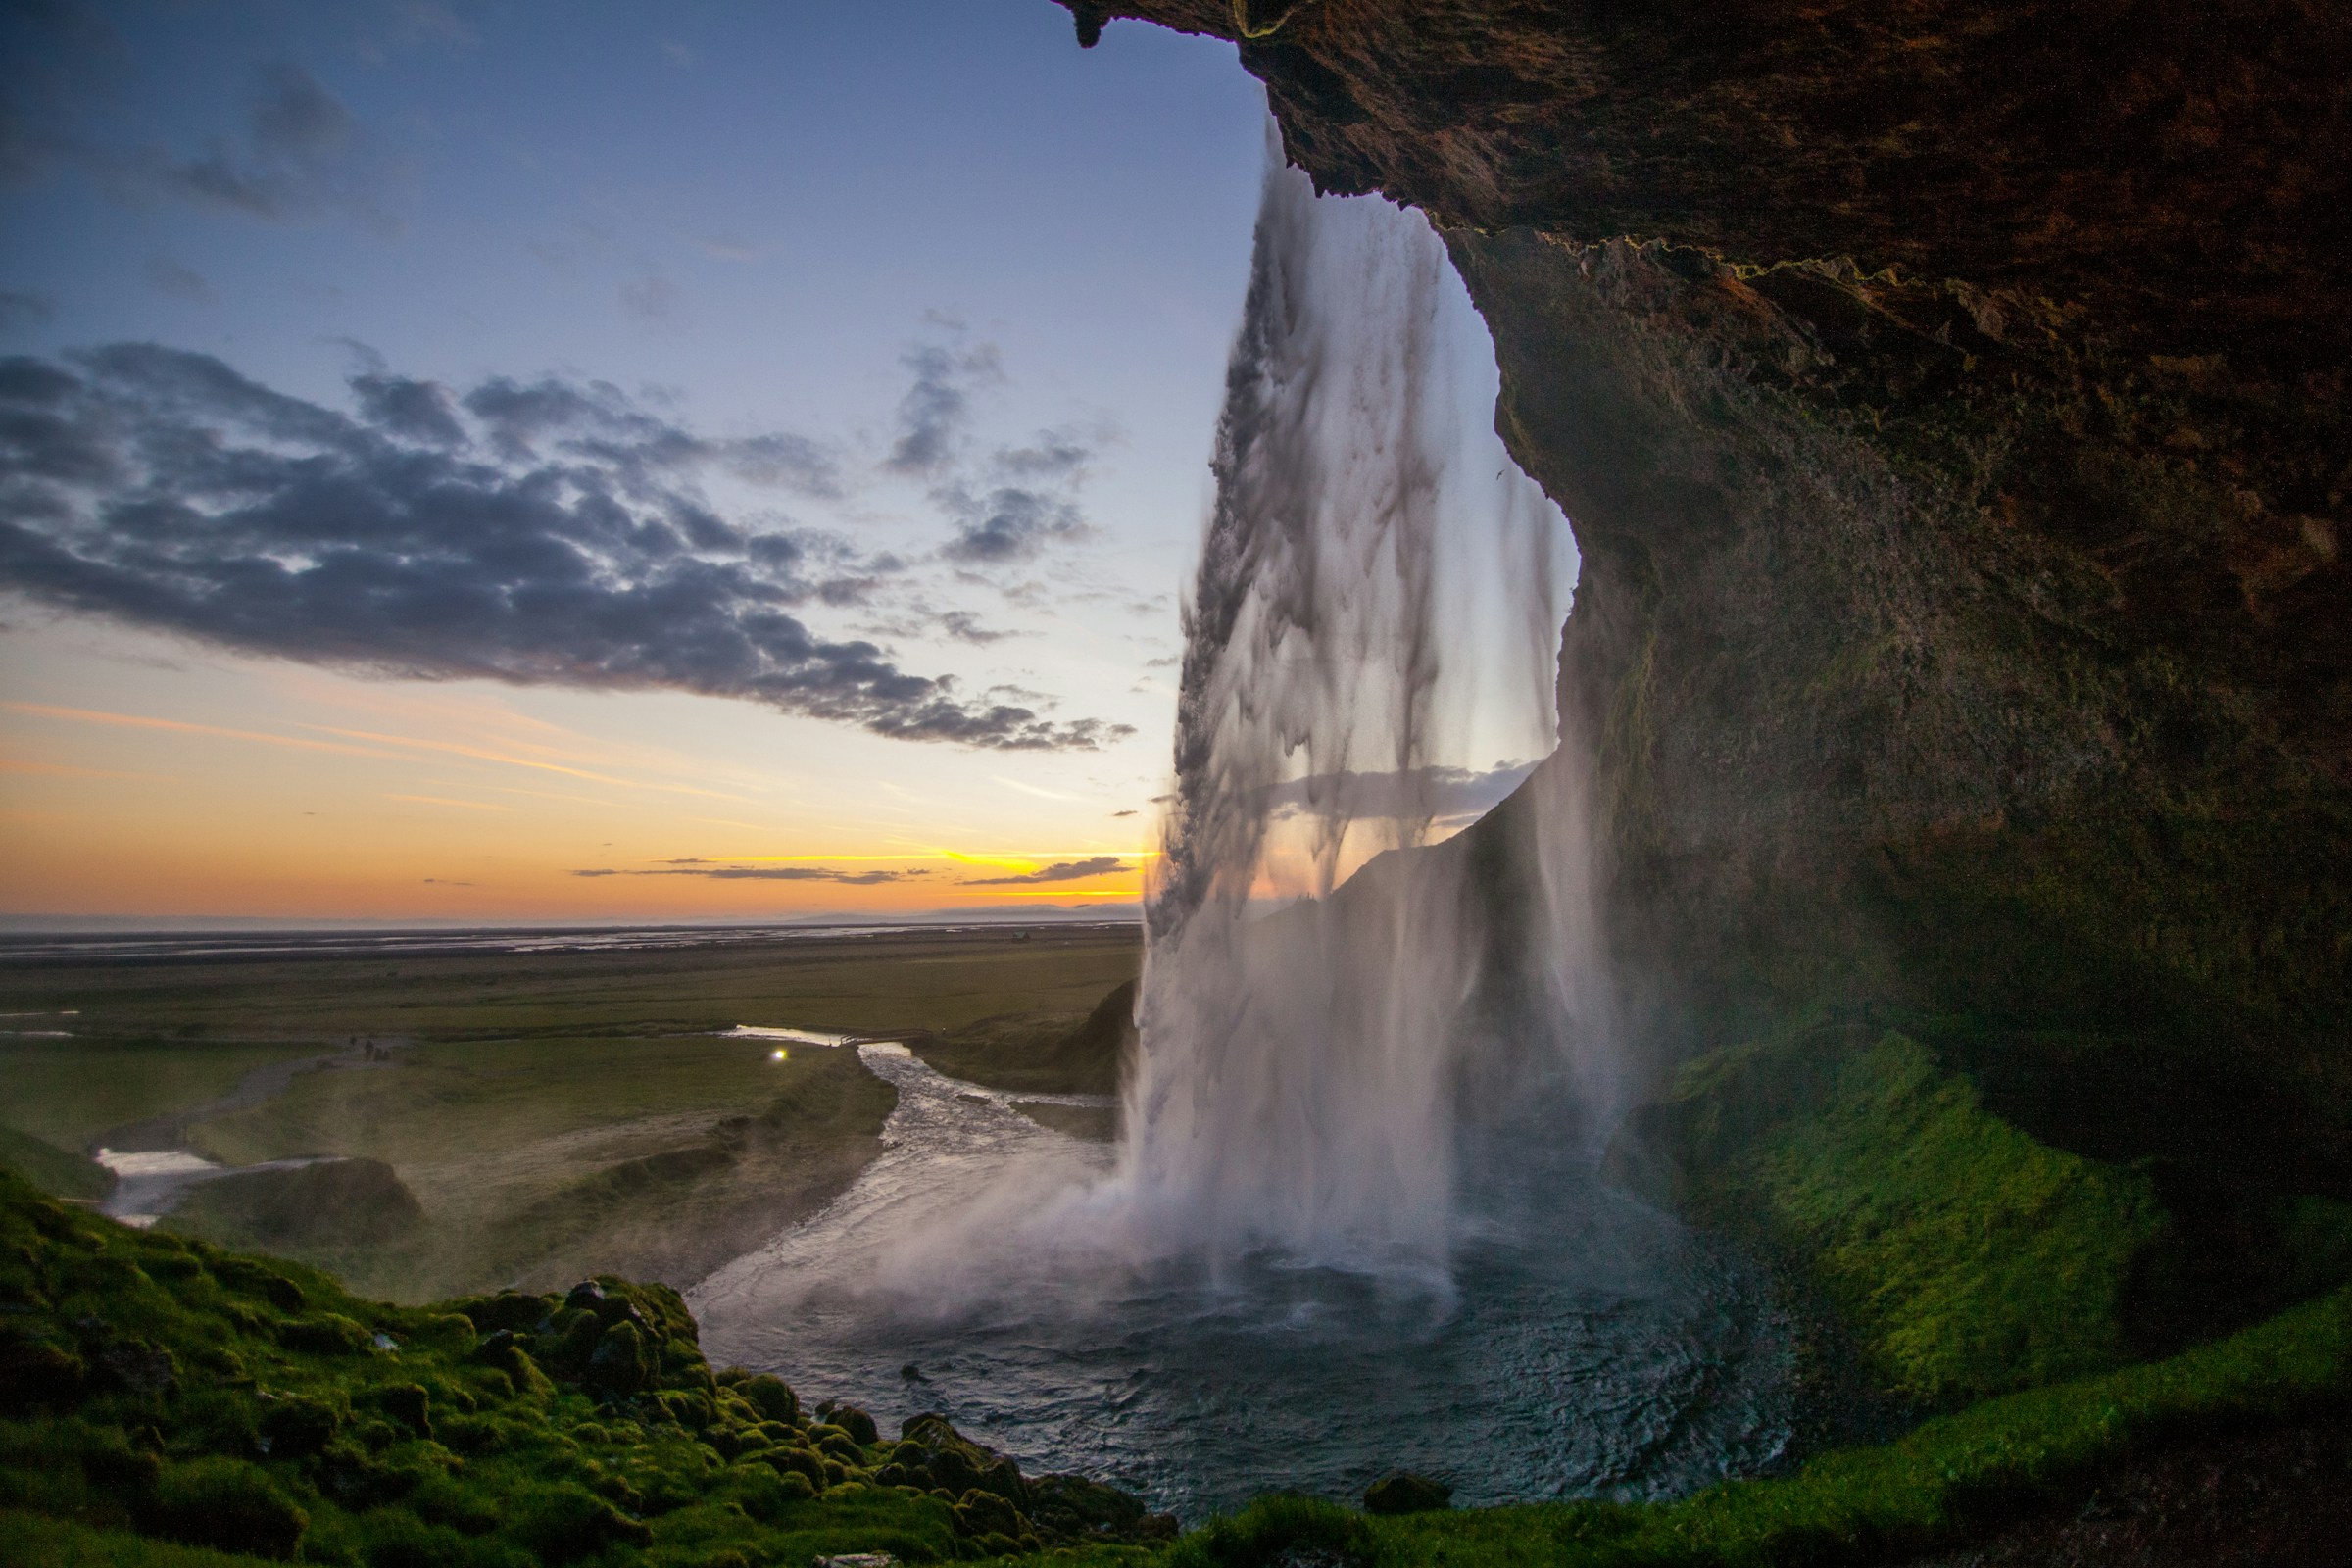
[553,1114]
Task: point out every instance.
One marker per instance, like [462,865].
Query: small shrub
[298,1426]
[228,1505]
[328,1334]
[772,1397]
[1277,1530]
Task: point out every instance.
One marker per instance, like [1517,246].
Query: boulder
[1402,1492]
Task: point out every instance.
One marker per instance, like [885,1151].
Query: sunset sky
[560,462]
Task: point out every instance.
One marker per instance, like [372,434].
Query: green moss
[160,1396]
[1968,1259]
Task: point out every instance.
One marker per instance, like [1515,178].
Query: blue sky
[974,284]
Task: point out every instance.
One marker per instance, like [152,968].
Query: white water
[1379,589]
[1357,1219]
[1592,1346]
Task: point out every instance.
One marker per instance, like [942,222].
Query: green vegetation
[1949,1479]
[163,1401]
[158,1394]
[548,1116]
[51,1168]
[72,1093]
[1968,1259]
[1051,1053]
[887,982]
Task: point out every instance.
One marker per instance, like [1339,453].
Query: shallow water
[1585,1345]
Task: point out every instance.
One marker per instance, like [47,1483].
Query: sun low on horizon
[582,463]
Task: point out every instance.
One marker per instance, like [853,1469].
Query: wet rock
[912,1373]
[586,1297]
[1074,1509]
[1402,1492]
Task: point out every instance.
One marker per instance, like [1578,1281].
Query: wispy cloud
[764,873]
[1067,871]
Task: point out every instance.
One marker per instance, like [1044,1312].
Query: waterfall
[1331,1000]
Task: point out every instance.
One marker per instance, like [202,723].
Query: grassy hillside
[167,1404]
[159,1390]
[1051,1053]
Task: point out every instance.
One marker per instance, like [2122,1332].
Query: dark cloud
[544,532]
[1067,871]
[1130,812]
[1009,524]
[765,873]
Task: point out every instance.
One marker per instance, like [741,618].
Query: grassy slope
[69,1092]
[1967,1259]
[152,1387]
[52,1169]
[1054,1054]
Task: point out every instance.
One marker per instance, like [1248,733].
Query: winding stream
[1585,1345]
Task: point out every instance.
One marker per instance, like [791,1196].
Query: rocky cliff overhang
[1951,401]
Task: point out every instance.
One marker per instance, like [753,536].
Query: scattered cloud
[764,873]
[1067,871]
[167,277]
[20,307]
[936,409]
[445,882]
[552,532]
[1130,812]
[301,155]
[1009,524]
[296,153]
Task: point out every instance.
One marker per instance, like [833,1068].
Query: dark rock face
[1951,403]
[1402,1492]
